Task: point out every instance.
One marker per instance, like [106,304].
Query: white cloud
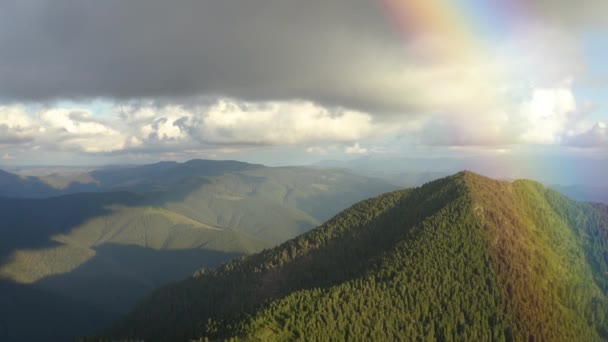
[276,123]
[148,127]
[509,115]
[162,123]
[595,137]
[59,129]
[537,115]
[316,150]
[548,114]
[228,121]
[76,128]
[355,149]
[509,92]
[16,126]
[15,117]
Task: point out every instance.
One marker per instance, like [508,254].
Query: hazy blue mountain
[17,186]
[587,193]
[547,169]
[163,175]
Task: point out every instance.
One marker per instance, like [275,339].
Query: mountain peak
[472,177]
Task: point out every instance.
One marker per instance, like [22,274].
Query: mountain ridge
[141,178]
[485,258]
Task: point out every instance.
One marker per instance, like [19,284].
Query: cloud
[279,123]
[260,50]
[159,123]
[7,156]
[545,116]
[316,150]
[9,137]
[595,137]
[16,126]
[228,121]
[145,127]
[548,114]
[355,149]
[572,14]
[59,129]
[211,75]
[15,117]
[75,128]
[344,53]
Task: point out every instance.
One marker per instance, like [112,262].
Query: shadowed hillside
[97,253]
[28,313]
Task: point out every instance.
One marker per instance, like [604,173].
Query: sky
[294,82]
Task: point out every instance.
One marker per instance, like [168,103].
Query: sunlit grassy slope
[461,258]
[153,228]
[143,247]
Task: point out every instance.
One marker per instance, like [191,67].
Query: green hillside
[271,204]
[461,258]
[104,250]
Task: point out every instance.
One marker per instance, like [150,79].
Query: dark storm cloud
[254,49]
[336,52]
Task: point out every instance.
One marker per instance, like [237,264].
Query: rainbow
[467,26]
[467,30]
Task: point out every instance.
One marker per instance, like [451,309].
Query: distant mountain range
[134,178]
[404,171]
[584,192]
[460,258]
[100,240]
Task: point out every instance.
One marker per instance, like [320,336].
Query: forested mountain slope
[460,258]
